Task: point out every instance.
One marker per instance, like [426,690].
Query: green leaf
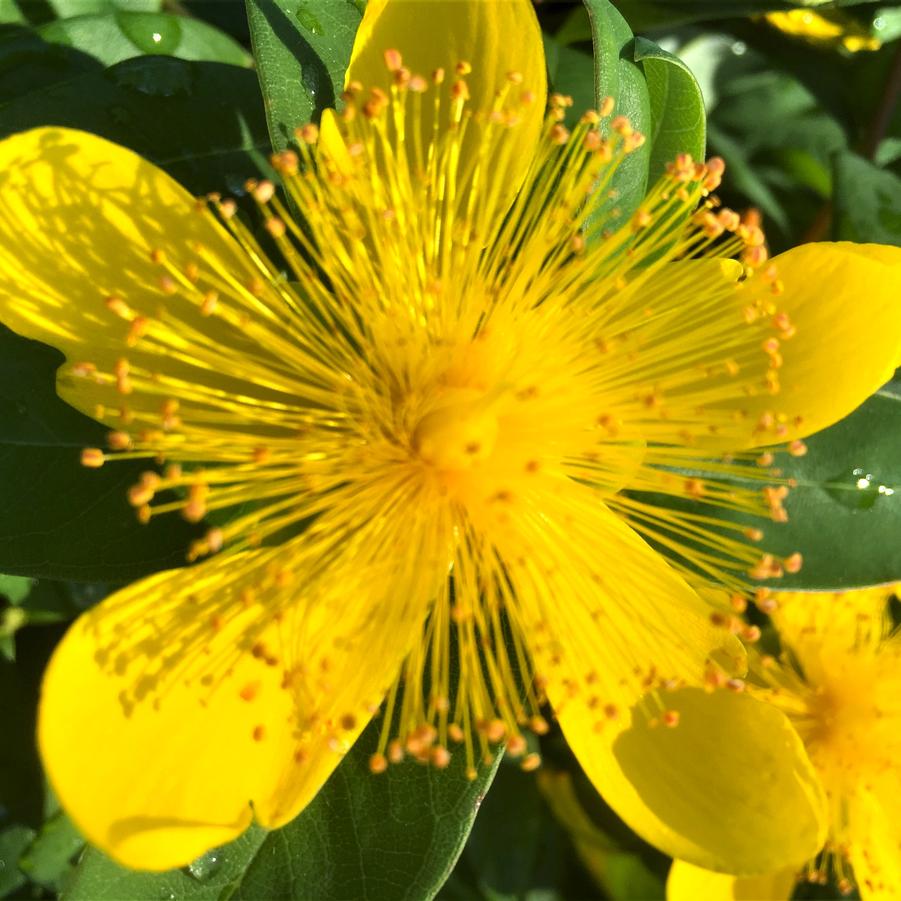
[617,75]
[517,851]
[570,72]
[202,122]
[40,603]
[68,9]
[845,512]
[57,518]
[10,12]
[301,48]
[40,12]
[213,877]
[21,779]
[49,857]
[28,64]
[15,588]
[389,837]
[13,841]
[678,121]
[866,203]
[113,37]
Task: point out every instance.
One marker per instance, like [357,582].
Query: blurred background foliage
[802,102]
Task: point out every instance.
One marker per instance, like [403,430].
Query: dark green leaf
[575,28]
[645,14]
[571,72]
[678,122]
[22,791]
[28,64]
[845,513]
[617,75]
[202,122]
[113,37]
[301,48]
[58,518]
[867,202]
[228,17]
[517,851]
[386,837]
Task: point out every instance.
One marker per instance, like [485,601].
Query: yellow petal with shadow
[191,703]
[729,787]
[80,222]
[618,640]
[690,883]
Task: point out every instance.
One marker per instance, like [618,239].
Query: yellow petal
[843,300]
[79,221]
[622,628]
[190,703]
[495,38]
[727,783]
[875,835]
[818,625]
[729,788]
[690,883]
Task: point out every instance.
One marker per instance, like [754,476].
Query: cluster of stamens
[357,373]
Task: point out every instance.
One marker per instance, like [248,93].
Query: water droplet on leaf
[310,81]
[156,77]
[308,20]
[206,865]
[857,488]
[149,32]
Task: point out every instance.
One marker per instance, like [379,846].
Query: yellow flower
[425,413]
[831,28]
[838,680]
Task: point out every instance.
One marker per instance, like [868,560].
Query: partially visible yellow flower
[427,410]
[838,680]
[832,28]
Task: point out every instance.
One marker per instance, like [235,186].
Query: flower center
[458,433]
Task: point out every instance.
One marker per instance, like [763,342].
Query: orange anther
[92,457]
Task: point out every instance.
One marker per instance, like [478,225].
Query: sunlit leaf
[678,122]
[617,75]
[301,48]
[113,37]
